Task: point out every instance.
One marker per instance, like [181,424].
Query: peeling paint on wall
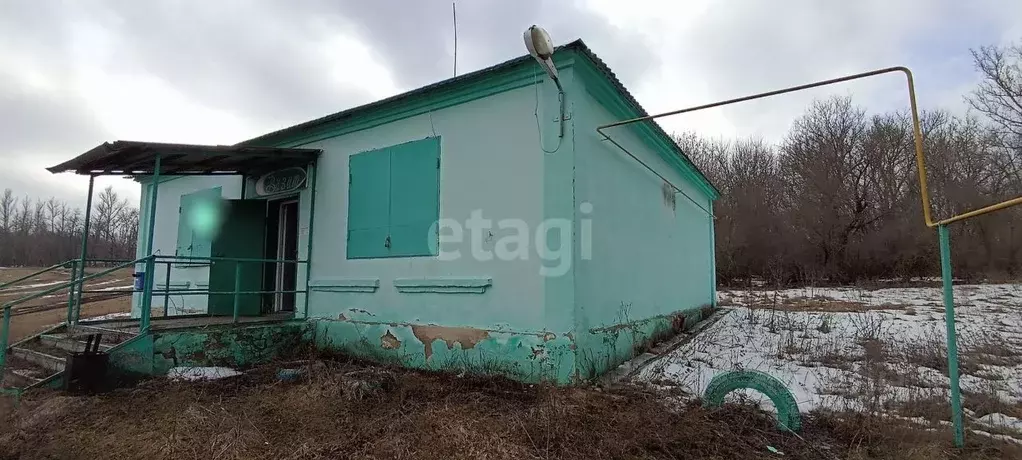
[389,342]
[601,349]
[225,346]
[233,346]
[541,356]
[465,336]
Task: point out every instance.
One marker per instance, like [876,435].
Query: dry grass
[815,304]
[975,353]
[345,409]
[876,437]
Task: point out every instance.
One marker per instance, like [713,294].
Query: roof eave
[139,158]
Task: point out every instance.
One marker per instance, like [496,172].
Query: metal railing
[10,284]
[237,292]
[75,288]
[69,285]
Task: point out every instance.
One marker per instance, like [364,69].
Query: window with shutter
[393,200]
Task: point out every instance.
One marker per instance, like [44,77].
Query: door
[287,249]
[241,236]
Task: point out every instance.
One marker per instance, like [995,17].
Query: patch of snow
[824,357]
[22,287]
[118,288]
[1001,421]
[103,283]
[123,314]
[192,374]
[1002,437]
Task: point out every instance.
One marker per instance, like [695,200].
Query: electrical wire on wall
[539,125]
[432,127]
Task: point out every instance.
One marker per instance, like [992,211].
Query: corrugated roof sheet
[139,158]
[577,45]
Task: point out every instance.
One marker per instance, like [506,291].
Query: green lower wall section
[133,358]
[229,346]
[602,349]
[525,356]
[560,358]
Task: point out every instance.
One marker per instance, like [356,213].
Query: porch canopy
[131,158]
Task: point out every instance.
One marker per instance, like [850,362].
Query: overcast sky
[74,74]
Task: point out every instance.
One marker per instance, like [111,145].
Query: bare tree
[838,199]
[108,219]
[8,204]
[999,94]
[46,232]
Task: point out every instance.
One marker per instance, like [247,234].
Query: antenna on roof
[454,10]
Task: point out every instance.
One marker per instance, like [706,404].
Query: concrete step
[20,373]
[110,336]
[70,343]
[47,361]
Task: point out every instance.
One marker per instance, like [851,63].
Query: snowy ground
[880,351]
[201,373]
[118,315]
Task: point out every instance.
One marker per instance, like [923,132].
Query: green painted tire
[788,417]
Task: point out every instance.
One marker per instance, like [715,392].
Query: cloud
[75,74]
[416,39]
[723,50]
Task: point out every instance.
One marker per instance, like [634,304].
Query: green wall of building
[634,263]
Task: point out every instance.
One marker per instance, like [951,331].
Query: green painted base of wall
[602,349]
[229,346]
[560,358]
[526,356]
[226,346]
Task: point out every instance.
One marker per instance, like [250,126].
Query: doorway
[240,237]
[282,244]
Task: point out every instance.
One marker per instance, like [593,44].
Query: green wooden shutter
[414,197]
[368,204]
[394,200]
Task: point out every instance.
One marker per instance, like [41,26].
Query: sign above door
[281,181]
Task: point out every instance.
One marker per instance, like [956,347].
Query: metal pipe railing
[65,285]
[237,292]
[164,259]
[75,287]
[70,292]
[185,292]
[35,274]
[9,306]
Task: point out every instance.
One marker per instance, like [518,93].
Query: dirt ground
[340,408]
[48,311]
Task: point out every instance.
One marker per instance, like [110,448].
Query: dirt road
[39,314]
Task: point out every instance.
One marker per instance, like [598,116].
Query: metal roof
[443,84]
[139,158]
[577,45]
